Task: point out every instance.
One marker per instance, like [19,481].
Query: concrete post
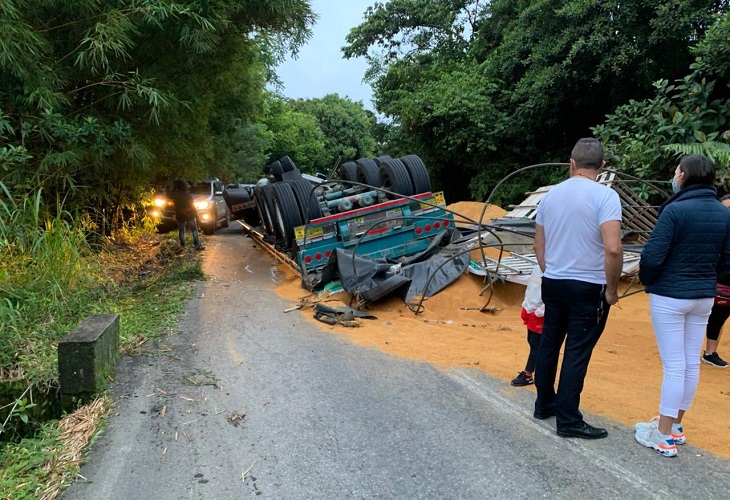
[87,355]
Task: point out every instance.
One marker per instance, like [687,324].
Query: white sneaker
[677,429]
[651,424]
[678,434]
[650,437]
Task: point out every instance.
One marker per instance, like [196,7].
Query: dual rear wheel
[284,205]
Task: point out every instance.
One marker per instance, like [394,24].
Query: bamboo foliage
[103,98]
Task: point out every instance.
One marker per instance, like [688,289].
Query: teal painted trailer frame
[392,229]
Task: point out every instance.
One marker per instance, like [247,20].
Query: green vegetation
[53,279]
[144,316]
[312,132]
[688,116]
[24,476]
[480,88]
[115,97]
[346,127]
[47,280]
[39,468]
[102,102]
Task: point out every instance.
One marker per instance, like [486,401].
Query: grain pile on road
[624,376]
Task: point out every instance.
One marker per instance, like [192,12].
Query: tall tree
[688,116]
[425,80]
[294,134]
[540,73]
[565,65]
[112,95]
[346,125]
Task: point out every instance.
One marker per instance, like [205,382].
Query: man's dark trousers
[575,311]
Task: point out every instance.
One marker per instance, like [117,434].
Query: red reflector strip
[378,230]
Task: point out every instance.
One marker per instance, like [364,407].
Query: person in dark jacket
[719,315]
[688,247]
[185,212]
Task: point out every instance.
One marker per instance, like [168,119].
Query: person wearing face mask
[680,262]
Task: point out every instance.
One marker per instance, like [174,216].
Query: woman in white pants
[689,245]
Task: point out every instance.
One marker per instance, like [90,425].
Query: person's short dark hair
[179,185]
[587,153]
[698,169]
[726,197]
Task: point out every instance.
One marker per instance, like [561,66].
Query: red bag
[722,301]
[723,295]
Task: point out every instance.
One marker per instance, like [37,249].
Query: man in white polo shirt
[578,247]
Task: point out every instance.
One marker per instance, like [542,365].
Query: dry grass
[124,261]
[77,429]
[11,373]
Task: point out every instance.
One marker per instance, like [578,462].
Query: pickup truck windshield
[202,188]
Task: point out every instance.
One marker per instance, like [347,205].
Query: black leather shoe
[543,414]
[583,431]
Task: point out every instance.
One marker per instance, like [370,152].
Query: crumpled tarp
[373,279]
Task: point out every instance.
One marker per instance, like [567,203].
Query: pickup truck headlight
[160,202]
[202,205]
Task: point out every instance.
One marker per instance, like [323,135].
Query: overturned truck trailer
[381,209]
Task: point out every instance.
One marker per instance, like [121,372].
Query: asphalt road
[246,401]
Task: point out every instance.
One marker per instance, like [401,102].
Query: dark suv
[208,197]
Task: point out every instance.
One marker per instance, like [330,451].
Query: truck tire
[277,170]
[348,171]
[268,192]
[287,165]
[307,202]
[395,177]
[368,173]
[286,211]
[266,209]
[417,172]
[381,159]
[258,198]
